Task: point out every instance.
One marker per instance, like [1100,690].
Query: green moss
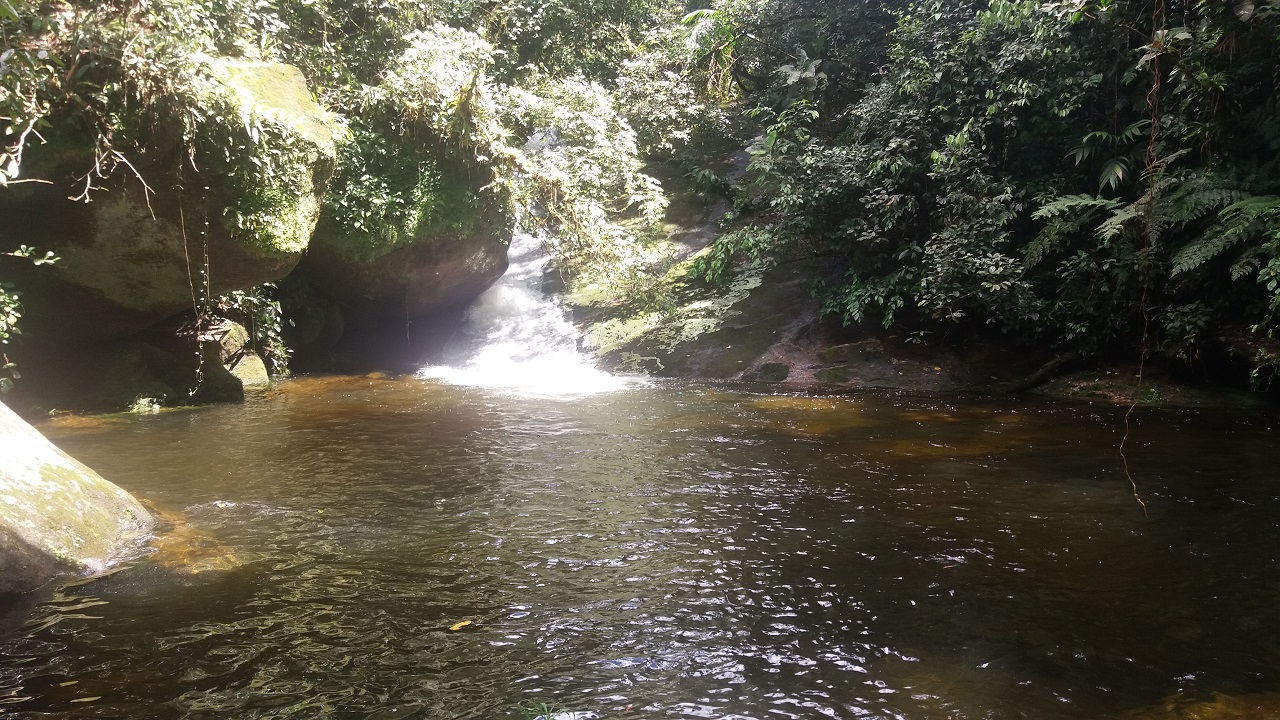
[834,376]
[260,132]
[393,192]
[590,294]
[611,335]
[772,373]
[277,92]
[635,364]
[78,515]
[70,527]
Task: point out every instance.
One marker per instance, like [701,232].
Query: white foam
[519,340]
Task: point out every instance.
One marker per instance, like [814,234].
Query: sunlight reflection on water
[669,553]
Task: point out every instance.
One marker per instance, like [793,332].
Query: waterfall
[516,338]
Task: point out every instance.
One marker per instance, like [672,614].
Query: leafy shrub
[581,176]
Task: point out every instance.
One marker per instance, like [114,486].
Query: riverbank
[765,325]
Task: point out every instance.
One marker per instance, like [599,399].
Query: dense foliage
[426,91]
[1085,174]
[1090,175]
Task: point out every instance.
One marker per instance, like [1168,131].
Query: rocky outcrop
[430,274]
[240,188]
[393,306]
[764,325]
[56,515]
[417,221]
[412,232]
[1258,706]
[251,371]
[714,333]
[159,368]
[445,249]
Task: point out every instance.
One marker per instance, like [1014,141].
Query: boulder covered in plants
[418,219]
[447,246]
[211,182]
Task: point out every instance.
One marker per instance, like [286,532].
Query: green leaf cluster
[1084,175]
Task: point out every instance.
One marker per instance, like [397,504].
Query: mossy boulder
[251,370]
[417,220]
[217,384]
[56,515]
[107,377]
[134,373]
[236,193]
[774,372]
[408,232]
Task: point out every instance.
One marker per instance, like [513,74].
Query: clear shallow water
[685,551]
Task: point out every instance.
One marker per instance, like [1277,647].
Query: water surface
[682,551]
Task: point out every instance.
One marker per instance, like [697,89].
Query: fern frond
[1204,248]
[1250,217]
[1249,263]
[1113,226]
[1200,195]
[1161,166]
[1255,207]
[1073,203]
[1067,215]
[1048,240]
[1267,123]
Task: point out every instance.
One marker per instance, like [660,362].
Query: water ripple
[682,552]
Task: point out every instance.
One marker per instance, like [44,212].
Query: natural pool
[667,551]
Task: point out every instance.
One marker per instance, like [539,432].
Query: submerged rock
[184,548]
[56,515]
[774,372]
[1260,706]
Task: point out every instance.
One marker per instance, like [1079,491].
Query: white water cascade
[516,338]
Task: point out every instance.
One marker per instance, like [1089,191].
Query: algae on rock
[277,154]
[56,515]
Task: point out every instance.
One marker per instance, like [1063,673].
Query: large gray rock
[415,281]
[417,219]
[56,515]
[252,371]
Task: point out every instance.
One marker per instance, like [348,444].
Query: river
[666,550]
[515,526]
